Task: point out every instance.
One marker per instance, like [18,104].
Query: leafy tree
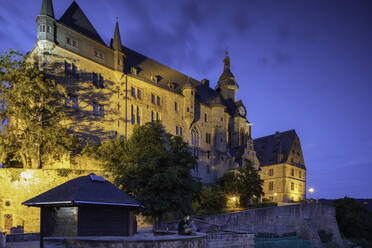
[212,201]
[154,167]
[31,115]
[354,219]
[244,182]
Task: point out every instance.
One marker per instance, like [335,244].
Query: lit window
[271,186]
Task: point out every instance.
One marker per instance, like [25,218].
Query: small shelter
[85,206]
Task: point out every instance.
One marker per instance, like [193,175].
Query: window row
[71,69]
[71,42]
[155,116]
[45,28]
[153,97]
[73,102]
[135,115]
[97,80]
[133,93]
[300,174]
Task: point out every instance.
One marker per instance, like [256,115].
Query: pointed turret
[116,44]
[47,8]
[119,56]
[227,83]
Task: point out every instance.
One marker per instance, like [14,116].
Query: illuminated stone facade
[113,88]
[282,166]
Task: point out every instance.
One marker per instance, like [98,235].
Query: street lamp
[311,191]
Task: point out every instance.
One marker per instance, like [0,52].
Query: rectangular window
[101,111]
[208,138]
[138,116]
[95,79]
[205,117]
[175,106]
[68,41]
[292,172]
[132,115]
[271,186]
[158,101]
[157,116]
[176,130]
[75,103]
[95,108]
[271,172]
[74,71]
[208,154]
[138,93]
[74,43]
[67,68]
[132,92]
[181,131]
[292,186]
[100,82]
[299,174]
[152,116]
[152,99]
[187,109]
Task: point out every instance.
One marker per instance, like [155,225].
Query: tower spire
[47,8]
[116,44]
[226,62]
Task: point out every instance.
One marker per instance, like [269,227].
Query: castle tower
[188,92]
[226,84]
[46,22]
[117,46]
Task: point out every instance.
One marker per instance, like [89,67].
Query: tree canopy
[31,115]
[154,167]
[244,182]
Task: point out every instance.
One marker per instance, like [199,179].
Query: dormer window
[134,70]
[155,78]
[42,28]
[99,54]
[48,29]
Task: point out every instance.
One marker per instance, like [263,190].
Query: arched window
[194,137]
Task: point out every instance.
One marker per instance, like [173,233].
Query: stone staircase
[230,240]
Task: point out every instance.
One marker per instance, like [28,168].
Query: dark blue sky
[303,65]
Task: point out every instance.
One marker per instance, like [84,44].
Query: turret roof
[227,78]
[47,8]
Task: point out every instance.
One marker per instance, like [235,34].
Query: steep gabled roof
[147,68]
[268,147]
[47,8]
[83,190]
[75,18]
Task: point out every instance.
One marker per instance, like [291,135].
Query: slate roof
[83,190]
[267,148]
[75,18]
[47,8]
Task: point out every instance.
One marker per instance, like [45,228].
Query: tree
[154,167]
[31,114]
[244,182]
[354,219]
[212,201]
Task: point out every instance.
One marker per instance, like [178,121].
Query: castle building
[113,88]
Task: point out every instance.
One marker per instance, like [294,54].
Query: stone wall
[19,185]
[304,219]
[199,241]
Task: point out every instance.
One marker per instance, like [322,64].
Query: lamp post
[311,191]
